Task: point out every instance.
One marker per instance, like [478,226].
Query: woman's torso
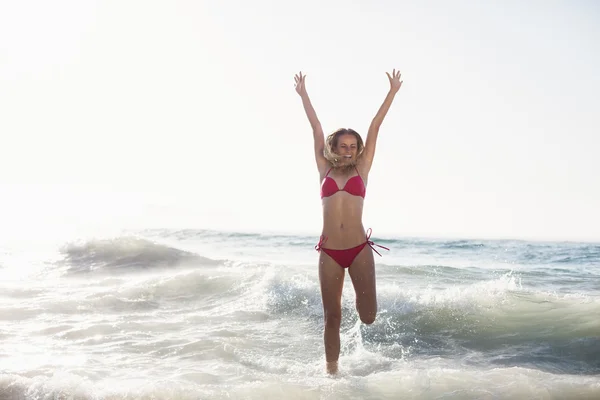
[342,200]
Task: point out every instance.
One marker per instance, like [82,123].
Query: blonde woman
[344,162]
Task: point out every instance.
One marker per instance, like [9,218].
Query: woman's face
[347,147]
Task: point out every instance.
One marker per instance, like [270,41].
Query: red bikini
[356,187]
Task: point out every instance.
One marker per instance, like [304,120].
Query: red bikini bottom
[345,257]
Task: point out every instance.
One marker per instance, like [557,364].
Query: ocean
[204,314]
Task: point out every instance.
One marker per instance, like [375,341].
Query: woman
[344,164]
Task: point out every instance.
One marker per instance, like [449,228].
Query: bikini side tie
[371,243]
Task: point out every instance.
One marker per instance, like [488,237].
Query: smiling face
[346,147]
[343,148]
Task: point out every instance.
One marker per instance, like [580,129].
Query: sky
[183,114]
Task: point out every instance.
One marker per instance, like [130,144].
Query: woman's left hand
[395,81]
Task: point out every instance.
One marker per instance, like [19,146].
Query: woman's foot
[332,367]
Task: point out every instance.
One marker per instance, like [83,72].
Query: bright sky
[184,114]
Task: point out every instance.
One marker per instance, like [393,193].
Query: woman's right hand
[300,86]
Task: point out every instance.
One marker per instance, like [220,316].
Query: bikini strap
[358,173]
[322,241]
[371,243]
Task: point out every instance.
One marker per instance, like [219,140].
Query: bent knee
[368,318]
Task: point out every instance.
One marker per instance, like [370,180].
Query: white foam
[480,294]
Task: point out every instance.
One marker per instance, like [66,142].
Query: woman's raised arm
[370,143]
[315,124]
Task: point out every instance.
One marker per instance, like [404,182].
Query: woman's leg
[331,277]
[362,273]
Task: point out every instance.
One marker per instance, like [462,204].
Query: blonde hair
[332,141]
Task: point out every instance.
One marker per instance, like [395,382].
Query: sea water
[202,314]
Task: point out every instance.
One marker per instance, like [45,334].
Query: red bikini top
[355,186]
